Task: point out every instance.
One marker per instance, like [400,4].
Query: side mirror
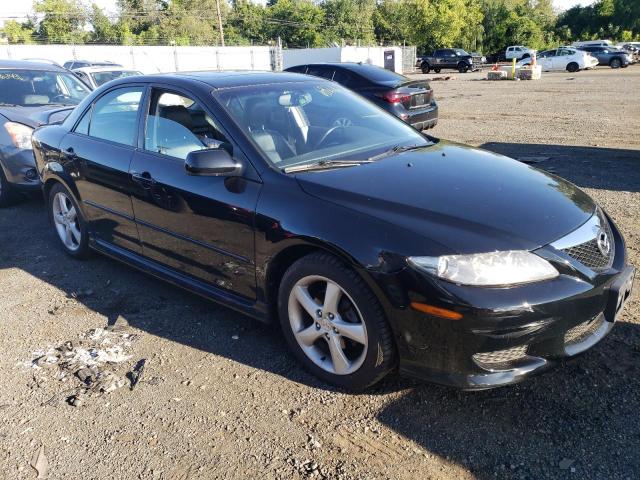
[215,162]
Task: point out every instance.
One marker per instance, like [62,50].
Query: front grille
[583,330]
[590,255]
[500,359]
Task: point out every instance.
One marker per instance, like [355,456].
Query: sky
[19,8]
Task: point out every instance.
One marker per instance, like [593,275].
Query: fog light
[31,174]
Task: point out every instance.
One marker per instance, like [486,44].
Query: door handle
[144,178]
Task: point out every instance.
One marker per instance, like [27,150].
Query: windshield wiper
[324,165]
[395,150]
[2,104]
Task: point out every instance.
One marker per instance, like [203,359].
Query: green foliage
[482,25]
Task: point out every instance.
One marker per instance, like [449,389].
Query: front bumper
[506,334]
[19,167]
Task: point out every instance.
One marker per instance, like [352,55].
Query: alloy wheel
[327,325]
[65,218]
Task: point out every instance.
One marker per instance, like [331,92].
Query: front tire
[463,67]
[333,323]
[615,63]
[425,68]
[437,70]
[68,222]
[573,67]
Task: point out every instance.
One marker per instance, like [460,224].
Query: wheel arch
[50,180]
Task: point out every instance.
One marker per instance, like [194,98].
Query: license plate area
[619,294]
[418,100]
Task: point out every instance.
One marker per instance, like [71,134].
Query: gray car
[609,56]
[31,94]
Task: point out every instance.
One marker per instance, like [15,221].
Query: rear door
[100,147]
[201,226]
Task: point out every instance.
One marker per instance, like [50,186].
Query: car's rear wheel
[334,324]
[573,67]
[437,70]
[7,195]
[68,222]
[615,63]
[463,67]
[425,68]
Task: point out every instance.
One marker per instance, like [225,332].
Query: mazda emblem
[604,244]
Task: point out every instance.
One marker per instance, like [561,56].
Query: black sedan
[31,94]
[410,100]
[376,247]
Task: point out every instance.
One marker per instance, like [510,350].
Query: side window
[114,115]
[83,125]
[438,53]
[320,72]
[177,125]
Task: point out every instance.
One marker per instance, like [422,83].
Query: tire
[425,68]
[68,222]
[367,353]
[437,70]
[573,67]
[615,63]
[7,195]
[463,67]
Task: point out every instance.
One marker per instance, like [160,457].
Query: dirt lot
[220,397]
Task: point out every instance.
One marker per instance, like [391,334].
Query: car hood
[462,199]
[37,115]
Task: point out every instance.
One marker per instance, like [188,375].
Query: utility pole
[220,23]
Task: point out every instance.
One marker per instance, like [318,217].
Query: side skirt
[255,310]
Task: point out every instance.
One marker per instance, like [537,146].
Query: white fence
[372,55]
[151,59]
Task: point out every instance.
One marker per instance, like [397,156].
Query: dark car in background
[450,58]
[609,56]
[31,94]
[410,100]
[375,247]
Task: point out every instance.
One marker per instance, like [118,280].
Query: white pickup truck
[518,52]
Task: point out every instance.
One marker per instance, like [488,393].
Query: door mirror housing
[214,162]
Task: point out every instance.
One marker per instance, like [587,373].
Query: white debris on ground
[95,364]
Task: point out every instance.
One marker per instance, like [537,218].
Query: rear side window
[114,116]
[320,72]
[343,78]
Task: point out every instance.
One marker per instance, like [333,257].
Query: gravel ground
[220,397]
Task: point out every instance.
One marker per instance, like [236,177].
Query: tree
[16,32]
[62,21]
[298,22]
[349,20]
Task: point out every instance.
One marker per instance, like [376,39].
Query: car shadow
[558,425]
[588,167]
[125,296]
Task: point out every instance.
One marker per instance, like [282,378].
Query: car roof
[105,68]
[225,79]
[31,65]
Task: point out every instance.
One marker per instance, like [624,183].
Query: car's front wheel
[615,63]
[68,222]
[463,67]
[334,324]
[425,68]
[437,70]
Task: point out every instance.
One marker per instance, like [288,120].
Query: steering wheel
[332,132]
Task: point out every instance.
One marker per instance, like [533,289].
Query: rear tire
[615,63]
[425,68]
[334,324]
[69,225]
[437,70]
[573,67]
[463,67]
[7,195]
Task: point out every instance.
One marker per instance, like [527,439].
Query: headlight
[488,269]
[20,134]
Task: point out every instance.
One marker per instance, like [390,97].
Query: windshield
[39,87]
[304,123]
[103,77]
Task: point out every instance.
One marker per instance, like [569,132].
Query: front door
[201,226]
[100,148]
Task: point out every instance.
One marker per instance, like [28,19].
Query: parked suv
[410,100]
[518,52]
[452,58]
[609,56]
